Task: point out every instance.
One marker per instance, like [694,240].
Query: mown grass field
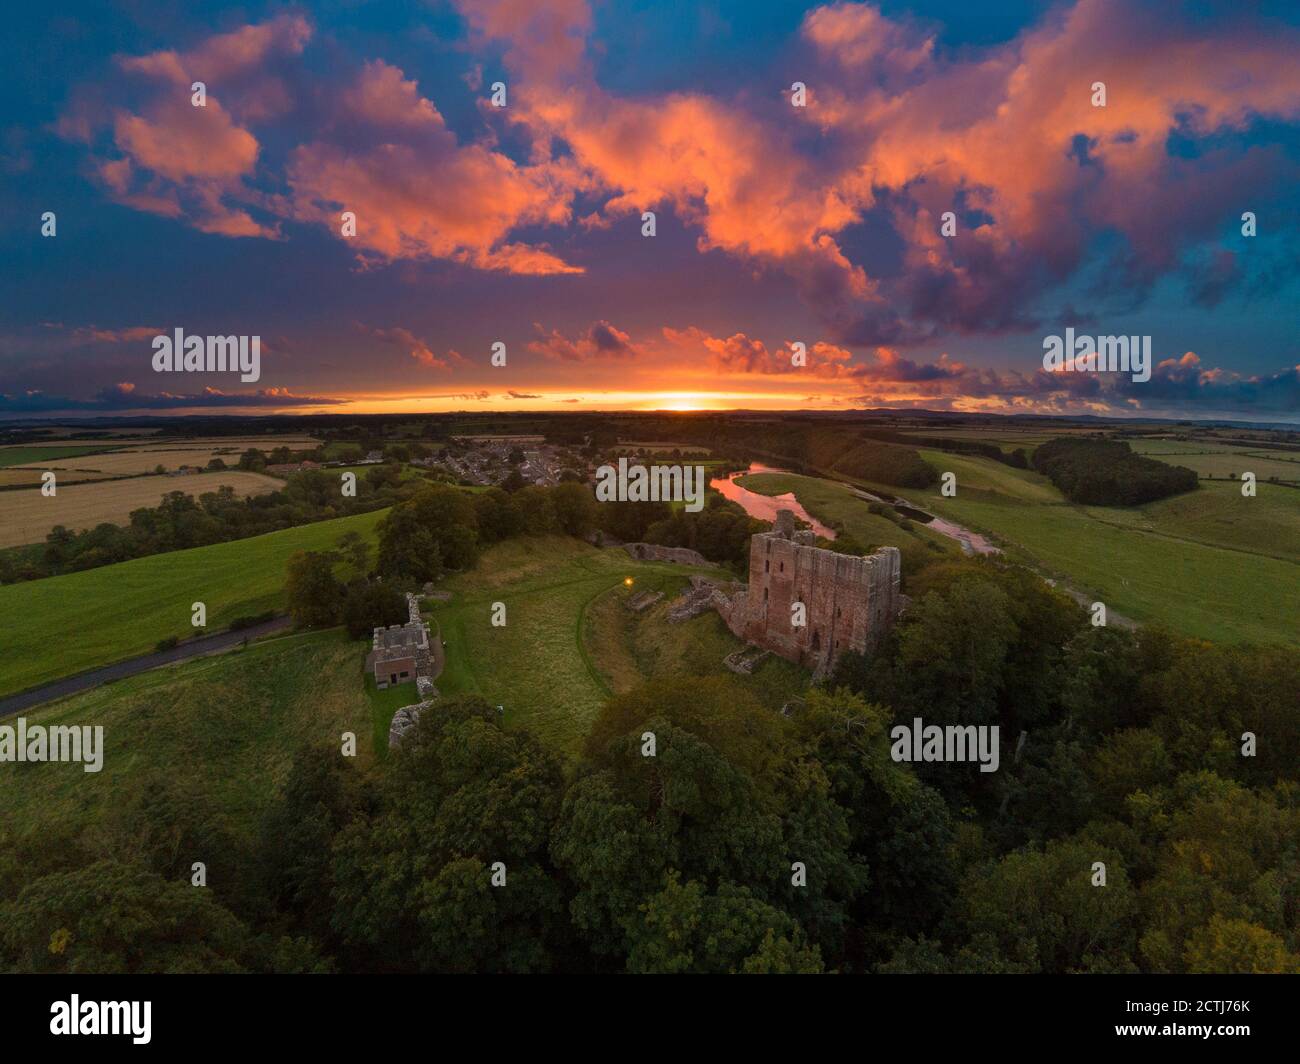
[1209,563]
[221,729]
[541,666]
[28,516]
[835,505]
[66,624]
[1227,463]
[1219,515]
[1005,439]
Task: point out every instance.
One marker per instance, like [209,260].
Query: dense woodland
[1129,753]
[1098,472]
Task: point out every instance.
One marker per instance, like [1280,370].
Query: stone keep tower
[849,601]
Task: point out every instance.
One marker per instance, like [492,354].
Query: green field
[1006,439]
[1232,464]
[219,730]
[550,666]
[1209,563]
[12,456]
[66,624]
[1219,515]
[408,472]
[835,505]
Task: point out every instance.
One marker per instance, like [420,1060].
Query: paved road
[82,681]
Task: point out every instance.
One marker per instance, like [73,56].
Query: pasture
[220,731]
[1209,563]
[66,624]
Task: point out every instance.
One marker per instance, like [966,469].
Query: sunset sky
[776,224]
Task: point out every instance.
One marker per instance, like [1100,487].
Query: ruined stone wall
[652,552]
[849,601]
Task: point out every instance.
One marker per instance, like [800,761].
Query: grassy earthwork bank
[568,643]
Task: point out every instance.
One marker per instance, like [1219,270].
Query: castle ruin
[848,601]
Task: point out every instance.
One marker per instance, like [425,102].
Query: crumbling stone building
[400,652]
[849,602]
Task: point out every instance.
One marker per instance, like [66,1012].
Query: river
[764,507]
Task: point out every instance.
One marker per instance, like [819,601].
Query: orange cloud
[418,193]
[601,340]
[415,347]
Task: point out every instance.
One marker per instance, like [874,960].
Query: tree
[321,794]
[116,917]
[629,521]
[899,827]
[1041,909]
[408,548]
[683,928]
[536,511]
[497,515]
[575,508]
[1238,947]
[57,543]
[412,884]
[383,476]
[434,529]
[355,550]
[951,650]
[315,596]
[368,605]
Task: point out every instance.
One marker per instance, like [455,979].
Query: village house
[292,467]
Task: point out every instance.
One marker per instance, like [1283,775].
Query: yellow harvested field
[26,516]
[145,458]
[32,475]
[122,463]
